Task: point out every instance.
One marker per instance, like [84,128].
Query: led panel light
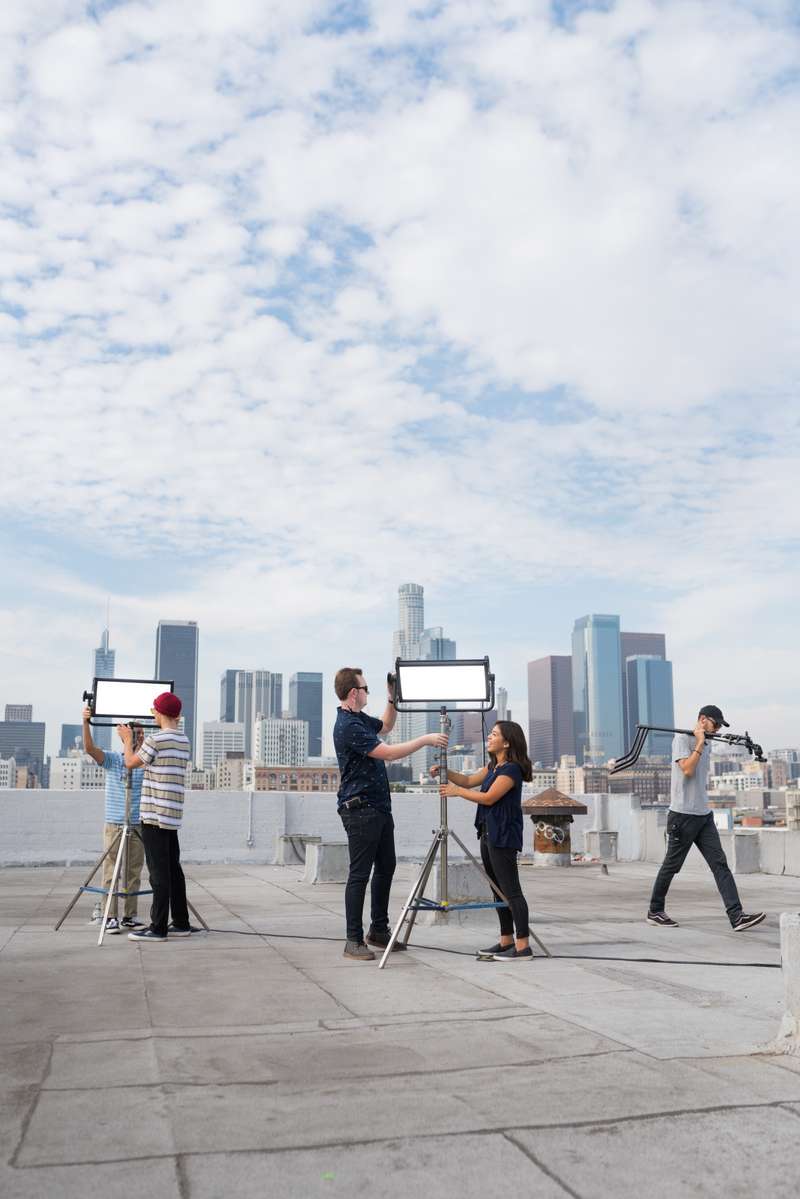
[444,682]
[127,699]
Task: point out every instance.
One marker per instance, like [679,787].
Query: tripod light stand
[112,702]
[419,686]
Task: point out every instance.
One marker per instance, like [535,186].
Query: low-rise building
[290,778]
[8,774]
[229,773]
[278,741]
[76,772]
[221,737]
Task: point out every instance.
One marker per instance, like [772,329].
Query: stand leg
[423,879]
[479,866]
[89,878]
[416,890]
[114,877]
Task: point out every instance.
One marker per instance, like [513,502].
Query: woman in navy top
[499,823]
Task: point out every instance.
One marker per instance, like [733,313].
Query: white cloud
[259,274]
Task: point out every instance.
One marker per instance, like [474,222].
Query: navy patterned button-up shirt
[354,735]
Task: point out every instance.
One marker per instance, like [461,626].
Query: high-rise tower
[177,647]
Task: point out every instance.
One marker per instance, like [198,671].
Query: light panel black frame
[484,704]
[111,720]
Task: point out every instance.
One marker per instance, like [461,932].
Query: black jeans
[501,866]
[166,878]
[370,839]
[684,831]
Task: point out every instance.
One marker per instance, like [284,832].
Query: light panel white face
[425,683]
[126,701]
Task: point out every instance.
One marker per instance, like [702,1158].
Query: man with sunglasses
[365,807]
[691,822]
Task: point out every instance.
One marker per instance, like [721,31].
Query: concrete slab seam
[568,1190]
[314,982]
[494,1130]
[26,1119]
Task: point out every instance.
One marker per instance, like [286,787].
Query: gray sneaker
[359,951]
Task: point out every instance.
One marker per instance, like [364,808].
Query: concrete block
[601,845]
[327,862]
[465,883]
[772,845]
[788,1040]
[746,856]
[291,850]
[792,852]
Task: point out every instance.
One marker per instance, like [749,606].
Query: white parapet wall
[40,828]
[66,827]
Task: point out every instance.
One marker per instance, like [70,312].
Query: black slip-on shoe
[145,934]
[512,954]
[493,949]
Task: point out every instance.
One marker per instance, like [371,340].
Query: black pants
[501,866]
[370,839]
[684,831]
[166,878]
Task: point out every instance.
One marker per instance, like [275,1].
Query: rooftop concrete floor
[229,1065]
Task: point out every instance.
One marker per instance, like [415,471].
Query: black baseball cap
[713,713]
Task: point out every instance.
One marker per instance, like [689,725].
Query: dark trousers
[501,866]
[370,839]
[166,878]
[684,831]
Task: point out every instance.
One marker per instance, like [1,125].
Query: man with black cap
[691,822]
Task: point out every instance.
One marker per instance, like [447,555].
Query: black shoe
[493,949]
[145,934]
[746,921]
[381,940]
[512,954]
[112,925]
[661,919]
[172,931]
[130,922]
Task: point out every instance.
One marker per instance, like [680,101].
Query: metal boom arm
[632,756]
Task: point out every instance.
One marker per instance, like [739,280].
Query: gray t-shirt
[689,795]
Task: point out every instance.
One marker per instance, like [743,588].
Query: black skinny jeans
[166,878]
[684,831]
[501,866]
[370,839]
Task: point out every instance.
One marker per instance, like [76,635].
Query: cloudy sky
[303,300]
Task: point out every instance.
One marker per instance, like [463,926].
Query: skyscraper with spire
[413,641]
[104,665]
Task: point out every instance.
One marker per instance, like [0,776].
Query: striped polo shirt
[116,776]
[166,756]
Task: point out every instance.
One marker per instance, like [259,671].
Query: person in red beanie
[165,756]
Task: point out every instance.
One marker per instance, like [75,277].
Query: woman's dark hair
[517,747]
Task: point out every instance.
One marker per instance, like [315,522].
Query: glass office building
[650,701]
[597,689]
[550,726]
[305,703]
[177,645]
